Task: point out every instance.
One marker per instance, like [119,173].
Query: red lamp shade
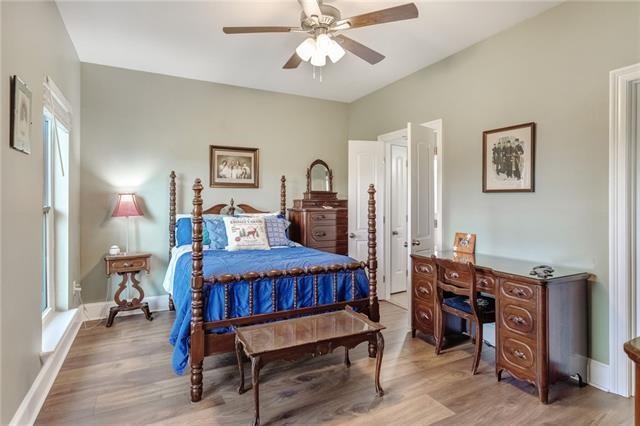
[127,206]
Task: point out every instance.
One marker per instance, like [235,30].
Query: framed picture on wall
[20,118]
[233,167]
[508,159]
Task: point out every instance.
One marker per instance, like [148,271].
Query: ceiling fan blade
[249,30]
[358,49]
[397,13]
[310,7]
[293,62]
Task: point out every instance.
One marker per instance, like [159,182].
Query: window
[47,219]
[55,202]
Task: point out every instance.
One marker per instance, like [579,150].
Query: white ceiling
[185,39]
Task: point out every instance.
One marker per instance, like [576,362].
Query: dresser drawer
[423,267]
[456,277]
[518,355]
[329,217]
[423,316]
[324,233]
[519,292]
[518,319]
[423,289]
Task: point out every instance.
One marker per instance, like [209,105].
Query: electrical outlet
[76,287]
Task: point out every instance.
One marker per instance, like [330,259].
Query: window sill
[54,328]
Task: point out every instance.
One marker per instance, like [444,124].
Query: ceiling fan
[324,23]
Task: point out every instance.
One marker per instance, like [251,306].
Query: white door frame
[436,126]
[389,138]
[622,225]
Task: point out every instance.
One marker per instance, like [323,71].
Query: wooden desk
[541,323]
[632,348]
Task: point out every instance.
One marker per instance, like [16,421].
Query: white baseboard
[598,375]
[100,310]
[29,409]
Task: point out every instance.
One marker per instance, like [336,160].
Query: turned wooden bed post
[283,196]
[197,319]
[172,222]
[372,263]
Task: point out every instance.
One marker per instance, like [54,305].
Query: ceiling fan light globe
[306,49]
[336,52]
[319,59]
[323,43]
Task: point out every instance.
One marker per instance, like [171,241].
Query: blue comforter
[218,262]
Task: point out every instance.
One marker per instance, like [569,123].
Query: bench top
[295,332]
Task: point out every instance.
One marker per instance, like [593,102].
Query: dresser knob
[352,235]
[126,265]
[424,290]
[320,234]
[454,275]
[425,316]
[519,292]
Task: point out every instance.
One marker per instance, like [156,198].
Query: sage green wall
[44,49]
[138,126]
[552,69]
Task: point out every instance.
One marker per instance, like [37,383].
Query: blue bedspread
[218,262]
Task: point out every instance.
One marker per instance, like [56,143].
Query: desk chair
[456,294]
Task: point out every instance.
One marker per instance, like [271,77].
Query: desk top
[504,265]
[273,336]
[632,348]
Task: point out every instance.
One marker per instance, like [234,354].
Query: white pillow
[246,233]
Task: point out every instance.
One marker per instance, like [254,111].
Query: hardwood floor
[122,375]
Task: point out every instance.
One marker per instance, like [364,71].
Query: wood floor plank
[122,375]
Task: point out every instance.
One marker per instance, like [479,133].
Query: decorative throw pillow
[184,233]
[246,233]
[277,231]
[217,232]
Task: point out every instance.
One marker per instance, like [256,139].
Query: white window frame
[48,187]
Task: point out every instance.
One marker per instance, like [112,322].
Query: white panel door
[366,166]
[421,144]
[398,187]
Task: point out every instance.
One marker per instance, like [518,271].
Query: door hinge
[384,278]
[435,223]
[384,220]
[435,150]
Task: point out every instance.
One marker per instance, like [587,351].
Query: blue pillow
[277,231]
[217,232]
[184,233]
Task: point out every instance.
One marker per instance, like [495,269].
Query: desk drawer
[423,316]
[424,267]
[423,289]
[519,292]
[517,355]
[127,265]
[518,319]
[485,282]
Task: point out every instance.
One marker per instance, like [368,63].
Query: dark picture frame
[20,116]
[508,158]
[233,167]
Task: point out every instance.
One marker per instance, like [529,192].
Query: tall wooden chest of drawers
[320,224]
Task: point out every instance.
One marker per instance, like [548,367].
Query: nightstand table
[127,266]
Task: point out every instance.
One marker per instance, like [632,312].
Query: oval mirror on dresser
[319,219]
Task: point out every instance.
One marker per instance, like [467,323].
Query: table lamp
[127,206]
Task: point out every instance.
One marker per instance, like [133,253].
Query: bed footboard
[203,344]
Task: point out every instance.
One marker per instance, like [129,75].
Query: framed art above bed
[233,167]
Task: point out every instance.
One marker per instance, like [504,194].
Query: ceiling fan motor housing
[330,14]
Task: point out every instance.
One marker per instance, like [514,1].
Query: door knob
[352,235]
[394,233]
[405,244]
[415,242]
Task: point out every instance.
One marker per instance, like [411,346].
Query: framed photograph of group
[508,159]
[233,167]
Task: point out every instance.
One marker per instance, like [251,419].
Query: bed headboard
[227,209]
